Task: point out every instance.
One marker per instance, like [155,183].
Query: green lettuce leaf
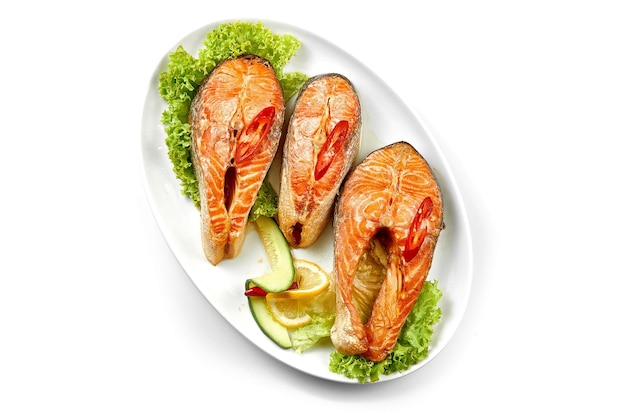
[313,333]
[266,203]
[178,83]
[411,347]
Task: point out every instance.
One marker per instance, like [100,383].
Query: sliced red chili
[255,133]
[255,291]
[260,292]
[331,148]
[417,230]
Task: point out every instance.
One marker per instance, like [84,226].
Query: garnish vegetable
[411,347]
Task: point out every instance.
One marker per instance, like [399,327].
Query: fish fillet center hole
[230,185]
[370,274]
[296,232]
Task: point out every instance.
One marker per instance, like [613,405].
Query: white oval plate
[386,119]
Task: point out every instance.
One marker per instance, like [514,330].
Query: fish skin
[305,203]
[225,104]
[384,193]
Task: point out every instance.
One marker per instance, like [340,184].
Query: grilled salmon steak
[321,146]
[387,221]
[236,120]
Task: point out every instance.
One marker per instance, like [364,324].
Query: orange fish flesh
[321,146]
[391,201]
[236,120]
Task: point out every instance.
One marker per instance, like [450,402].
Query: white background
[528,102]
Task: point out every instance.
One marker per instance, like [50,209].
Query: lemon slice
[311,279]
[290,308]
[291,313]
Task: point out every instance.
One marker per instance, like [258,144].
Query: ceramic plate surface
[386,119]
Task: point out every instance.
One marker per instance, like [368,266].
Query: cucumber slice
[272,329]
[279,255]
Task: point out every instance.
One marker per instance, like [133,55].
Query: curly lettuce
[411,347]
[178,83]
[266,203]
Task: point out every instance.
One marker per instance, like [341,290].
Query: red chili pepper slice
[417,233]
[331,148]
[255,133]
[255,291]
[260,292]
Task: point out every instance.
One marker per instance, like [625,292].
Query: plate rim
[451,182]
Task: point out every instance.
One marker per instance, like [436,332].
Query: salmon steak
[321,146]
[388,218]
[236,120]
